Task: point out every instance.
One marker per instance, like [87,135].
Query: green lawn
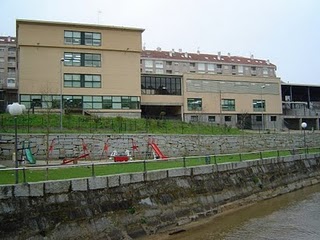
[35,174]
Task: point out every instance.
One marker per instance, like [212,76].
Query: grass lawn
[36,174]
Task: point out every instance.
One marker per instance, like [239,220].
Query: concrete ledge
[57,187]
[113,181]
[5,192]
[202,170]
[97,183]
[179,172]
[79,184]
[136,177]
[156,175]
[36,189]
[124,179]
[21,190]
[239,165]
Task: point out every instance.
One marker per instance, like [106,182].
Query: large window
[228,105]
[82,38]
[194,104]
[81,102]
[82,80]
[82,59]
[162,85]
[259,105]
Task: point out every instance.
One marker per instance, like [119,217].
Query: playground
[67,150]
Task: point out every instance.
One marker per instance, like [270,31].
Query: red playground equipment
[155,149]
[85,153]
[127,147]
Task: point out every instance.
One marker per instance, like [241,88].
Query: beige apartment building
[226,90]
[8,79]
[94,68]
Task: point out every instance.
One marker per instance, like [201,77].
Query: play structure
[116,149]
[155,150]
[26,154]
[83,154]
[120,149]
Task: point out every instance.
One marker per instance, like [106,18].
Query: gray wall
[171,145]
[130,205]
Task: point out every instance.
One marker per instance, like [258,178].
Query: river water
[291,216]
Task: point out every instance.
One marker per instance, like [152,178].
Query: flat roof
[299,84]
[41,22]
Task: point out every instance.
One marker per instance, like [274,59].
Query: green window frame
[194,104]
[259,105]
[82,59]
[82,38]
[228,104]
[82,80]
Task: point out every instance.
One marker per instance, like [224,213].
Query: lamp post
[262,108]
[61,98]
[304,125]
[16,109]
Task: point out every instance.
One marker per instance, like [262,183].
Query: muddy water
[292,216]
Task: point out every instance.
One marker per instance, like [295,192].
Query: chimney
[252,57]
[268,62]
[198,51]
[180,50]
[229,55]
[159,49]
[219,55]
[172,50]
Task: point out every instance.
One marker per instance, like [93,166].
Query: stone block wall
[127,206]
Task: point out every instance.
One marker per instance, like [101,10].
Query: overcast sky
[287,32]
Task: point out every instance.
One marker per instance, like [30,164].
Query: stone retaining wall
[171,145]
[126,206]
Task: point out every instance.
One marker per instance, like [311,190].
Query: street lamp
[61,98]
[262,108]
[16,109]
[304,125]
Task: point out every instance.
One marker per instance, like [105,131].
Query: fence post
[92,170]
[278,153]
[261,155]
[184,162]
[144,166]
[24,175]
[208,159]
[240,157]
[215,159]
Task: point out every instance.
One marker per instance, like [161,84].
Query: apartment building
[226,90]
[91,69]
[8,78]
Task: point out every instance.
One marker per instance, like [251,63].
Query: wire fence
[56,171]
[34,123]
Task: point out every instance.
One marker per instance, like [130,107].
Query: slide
[157,151]
[30,158]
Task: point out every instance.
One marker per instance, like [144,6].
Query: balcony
[301,109]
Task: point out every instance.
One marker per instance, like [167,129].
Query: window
[273,118]
[194,118]
[259,105]
[1,59]
[219,66]
[159,71]
[159,64]
[168,63]
[265,71]
[168,71]
[194,104]
[211,118]
[258,118]
[82,59]
[1,70]
[233,67]
[161,85]
[11,59]
[227,118]
[228,105]
[192,64]
[253,68]
[82,81]
[240,69]
[148,63]
[210,67]
[201,67]
[11,70]
[82,38]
